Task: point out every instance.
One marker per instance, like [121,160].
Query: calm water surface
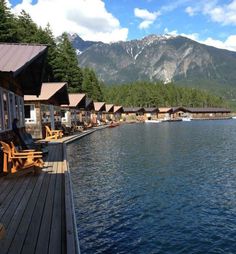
[156,188]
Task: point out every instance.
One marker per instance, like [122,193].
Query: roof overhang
[23,63]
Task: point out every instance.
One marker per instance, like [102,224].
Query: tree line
[62,66]
[147,94]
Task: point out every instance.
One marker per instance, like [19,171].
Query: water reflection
[165,188]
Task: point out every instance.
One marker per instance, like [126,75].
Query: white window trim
[32,119]
[16,100]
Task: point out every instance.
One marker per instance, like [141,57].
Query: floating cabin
[208,113]
[45,109]
[133,114]
[151,113]
[71,114]
[108,115]
[99,109]
[86,113]
[118,110]
[164,113]
[177,113]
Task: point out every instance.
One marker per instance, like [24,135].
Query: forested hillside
[146,94]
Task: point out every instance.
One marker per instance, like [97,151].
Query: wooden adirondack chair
[20,162]
[53,134]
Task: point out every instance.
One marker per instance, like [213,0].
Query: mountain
[79,44]
[168,58]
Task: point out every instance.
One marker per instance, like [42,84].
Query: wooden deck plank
[45,228]
[35,225]
[55,245]
[71,236]
[7,188]
[32,233]
[18,212]
[25,222]
[38,210]
[13,201]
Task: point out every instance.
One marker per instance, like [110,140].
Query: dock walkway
[37,210]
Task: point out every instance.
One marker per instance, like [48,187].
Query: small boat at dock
[152,121]
[112,125]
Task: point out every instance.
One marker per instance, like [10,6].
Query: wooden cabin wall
[35,129]
[11,85]
[210,115]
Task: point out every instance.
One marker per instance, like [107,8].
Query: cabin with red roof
[72,113]
[45,109]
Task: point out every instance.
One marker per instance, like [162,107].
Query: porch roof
[208,110]
[134,110]
[53,93]
[24,63]
[118,109]
[151,110]
[164,110]
[76,100]
[99,106]
[109,108]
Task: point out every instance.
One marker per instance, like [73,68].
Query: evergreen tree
[146,94]
[46,37]
[91,85]
[27,30]
[65,65]
[7,24]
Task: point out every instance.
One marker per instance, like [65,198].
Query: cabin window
[45,111]
[30,113]
[6,110]
[17,108]
[12,106]
[21,110]
[1,112]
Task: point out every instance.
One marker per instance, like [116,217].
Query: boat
[112,125]
[152,121]
[233,117]
[186,119]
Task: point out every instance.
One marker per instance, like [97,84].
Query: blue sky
[212,22]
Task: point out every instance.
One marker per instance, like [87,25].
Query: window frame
[32,119]
[13,102]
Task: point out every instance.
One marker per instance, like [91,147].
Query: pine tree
[27,30]
[7,24]
[91,85]
[65,65]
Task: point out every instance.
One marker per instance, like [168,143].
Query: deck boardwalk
[37,210]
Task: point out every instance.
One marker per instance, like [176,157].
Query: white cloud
[224,14]
[229,43]
[147,17]
[88,18]
[191,11]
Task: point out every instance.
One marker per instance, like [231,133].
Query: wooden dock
[37,210]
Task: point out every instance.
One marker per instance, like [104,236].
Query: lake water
[156,188]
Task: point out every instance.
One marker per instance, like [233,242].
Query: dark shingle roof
[208,110]
[133,110]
